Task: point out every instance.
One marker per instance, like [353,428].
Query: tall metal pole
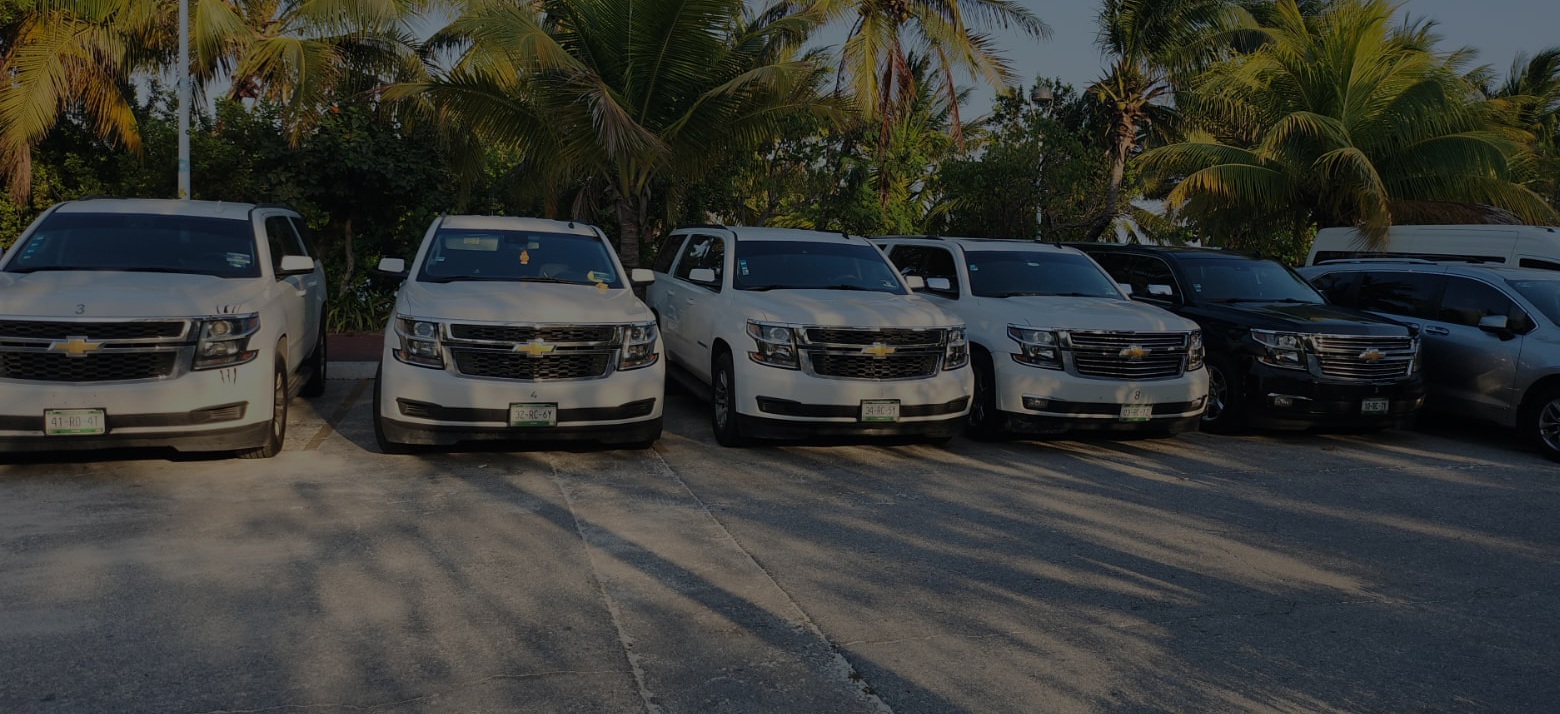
[184,99]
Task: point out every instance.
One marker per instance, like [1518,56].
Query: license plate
[1136,412]
[72,422]
[533,415]
[880,410]
[1373,406]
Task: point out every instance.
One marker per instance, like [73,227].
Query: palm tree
[1528,102]
[875,59]
[71,55]
[1148,43]
[1333,121]
[622,95]
[84,54]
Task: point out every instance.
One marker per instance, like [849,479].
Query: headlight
[224,341]
[957,353]
[1037,348]
[775,345]
[638,348]
[1280,349]
[419,342]
[1194,351]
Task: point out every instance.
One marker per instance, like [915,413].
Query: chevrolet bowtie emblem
[534,348]
[878,350]
[1372,355]
[74,346]
[1132,352]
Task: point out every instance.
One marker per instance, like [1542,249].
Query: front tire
[386,446]
[1541,423]
[1224,411]
[277,433]
[315,363]
[723,403]
[985,422]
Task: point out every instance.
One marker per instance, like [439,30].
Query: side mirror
[295,265]
[1160,290]
[1498,325]
[942,285]
[1125,287]
[641,276]
[915,282]
[392,267]
[702,276]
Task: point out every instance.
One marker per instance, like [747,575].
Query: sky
[1498,29]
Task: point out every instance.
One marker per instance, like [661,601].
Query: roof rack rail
[1337,261]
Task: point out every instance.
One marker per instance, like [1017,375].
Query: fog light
[1036,403]
[1283,402]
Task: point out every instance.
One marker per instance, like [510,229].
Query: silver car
[1491,334]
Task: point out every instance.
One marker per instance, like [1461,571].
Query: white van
[1524,246]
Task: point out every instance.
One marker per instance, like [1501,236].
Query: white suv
[146,322]
[517,329]
[1057,346]
[799,333]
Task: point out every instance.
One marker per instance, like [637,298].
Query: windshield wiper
[843,286]
[497,279]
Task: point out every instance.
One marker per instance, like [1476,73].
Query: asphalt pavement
[1391,572]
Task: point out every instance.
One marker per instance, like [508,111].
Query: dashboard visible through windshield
[798,265]
[518,256]
[131,242]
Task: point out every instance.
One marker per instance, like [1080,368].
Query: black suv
[1279,356]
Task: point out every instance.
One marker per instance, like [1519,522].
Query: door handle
[1433,330]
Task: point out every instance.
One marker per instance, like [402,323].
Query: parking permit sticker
[742,266]
[238,260]
[525,257]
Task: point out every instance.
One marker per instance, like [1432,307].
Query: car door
[318,297]
[1475,369]
[291,291]
[701,306]
[680,295]
[659,293]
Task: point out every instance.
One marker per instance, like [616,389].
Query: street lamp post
[184,99]
[1042,97]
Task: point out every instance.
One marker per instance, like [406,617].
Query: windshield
[1008,273]
[1235,280]
[134,242]
[813,265]
[1544,294]
[518,256]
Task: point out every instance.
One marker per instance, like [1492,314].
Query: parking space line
[336,416]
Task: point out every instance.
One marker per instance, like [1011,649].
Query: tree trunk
[351,262]
[1121,146]
[630,209]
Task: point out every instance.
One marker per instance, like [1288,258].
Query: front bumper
[418,405]
[212,410]
[1276,398]
[784,403]
[1045,401]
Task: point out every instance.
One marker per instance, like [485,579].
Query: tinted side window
[694,252]
[907,259]
[1119,266]
[1405,294]
[1468,301]
[305,236]
[1541,264]
[1338,288]
[940,264]
[283,239]
[1151,278]
[667,254]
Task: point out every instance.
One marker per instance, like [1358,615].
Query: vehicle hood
[1293,317]
[1083,313]
[520,302]
[845,308]
[100,293]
